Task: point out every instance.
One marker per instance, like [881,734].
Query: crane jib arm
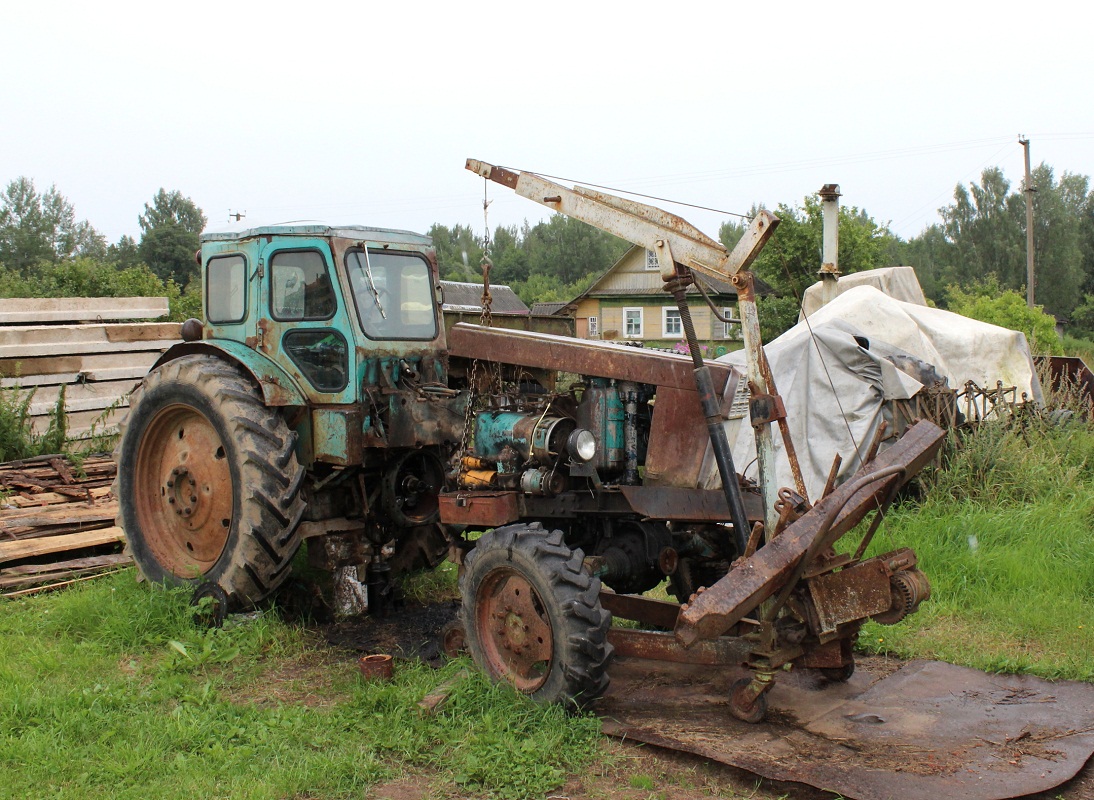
[638,223]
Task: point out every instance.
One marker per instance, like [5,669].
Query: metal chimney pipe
[829,271]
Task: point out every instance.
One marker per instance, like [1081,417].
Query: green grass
[1006,536]
[109,690]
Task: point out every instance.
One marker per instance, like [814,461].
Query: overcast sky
[365,112]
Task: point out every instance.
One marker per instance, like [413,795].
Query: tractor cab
[344,321]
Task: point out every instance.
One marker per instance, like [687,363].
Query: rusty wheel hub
[184,491]
[514,629]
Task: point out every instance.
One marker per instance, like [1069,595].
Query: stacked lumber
[97,363]
[57,523]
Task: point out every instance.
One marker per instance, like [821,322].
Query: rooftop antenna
[237,215]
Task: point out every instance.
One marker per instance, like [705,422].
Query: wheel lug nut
[170,484]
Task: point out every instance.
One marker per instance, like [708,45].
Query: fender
[278,388]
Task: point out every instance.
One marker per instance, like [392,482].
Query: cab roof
[318,229]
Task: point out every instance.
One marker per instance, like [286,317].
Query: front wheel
[532,615]
[208,481]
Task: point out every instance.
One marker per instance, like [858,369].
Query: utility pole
[1029,224]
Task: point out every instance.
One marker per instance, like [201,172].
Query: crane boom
[641,224]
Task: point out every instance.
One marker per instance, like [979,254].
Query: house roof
[547,309]
[459,296]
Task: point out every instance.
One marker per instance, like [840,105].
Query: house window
[632,323]
[730,330]
[671,325]
[594,328]
[651,260]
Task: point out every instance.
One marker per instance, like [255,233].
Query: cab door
[305,323]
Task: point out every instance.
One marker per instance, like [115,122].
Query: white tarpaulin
[900,283]
[834,388]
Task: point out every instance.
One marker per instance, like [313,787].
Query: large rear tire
[532,615]
[208,481]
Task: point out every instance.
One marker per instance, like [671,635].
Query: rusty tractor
[320,400]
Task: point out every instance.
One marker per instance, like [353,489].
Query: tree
[124,254]
[569,249]
[933,256]
[42,228]
[984,224]
[170,229]
[509,256]
[985,228]
[459,252]
[1058,239]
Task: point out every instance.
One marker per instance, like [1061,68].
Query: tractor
[321,400]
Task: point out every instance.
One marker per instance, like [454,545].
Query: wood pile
[76,343]
[57,523]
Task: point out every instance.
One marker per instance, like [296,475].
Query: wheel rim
[183,491]
[514,629]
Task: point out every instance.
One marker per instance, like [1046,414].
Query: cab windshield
[393,294]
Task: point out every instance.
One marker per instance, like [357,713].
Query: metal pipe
[829,271]
[628,393]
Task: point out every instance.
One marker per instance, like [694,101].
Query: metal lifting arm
[682,248]
[639,223]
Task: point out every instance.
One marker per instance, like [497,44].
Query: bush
[988,303]
[88,277]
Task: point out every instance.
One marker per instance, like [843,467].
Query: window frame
[303,366]
[730,313]
[652,263]
[435,305]
[330,282]
[209,286]
[641,323]
[665,311]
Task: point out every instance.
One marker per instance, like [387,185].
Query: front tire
[208,481]
[532,615]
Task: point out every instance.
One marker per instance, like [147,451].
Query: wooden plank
[80,396]
[50,586]
[82,424]
[80,347]
[29,548]
[133,374]
[52,498]
[35,310]
[17,581]
[43,340]
[63,514]
[76,563]
[55,368]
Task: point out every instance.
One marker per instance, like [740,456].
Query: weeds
[18,439]
[1005,535]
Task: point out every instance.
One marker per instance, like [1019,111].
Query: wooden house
[627,303]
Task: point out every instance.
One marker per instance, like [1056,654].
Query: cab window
[300,286]
[393,293]
[226,288]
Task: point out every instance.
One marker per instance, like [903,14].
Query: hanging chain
[485,319]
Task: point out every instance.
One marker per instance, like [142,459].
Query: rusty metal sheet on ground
[929,730]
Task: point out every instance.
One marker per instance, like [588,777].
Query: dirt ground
[627,771]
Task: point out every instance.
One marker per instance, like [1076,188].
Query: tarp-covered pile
[836,370]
